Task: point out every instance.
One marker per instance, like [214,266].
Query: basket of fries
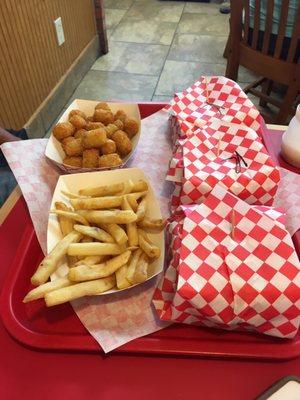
[105,234]
[93,136]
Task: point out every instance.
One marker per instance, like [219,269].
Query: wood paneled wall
[31,62]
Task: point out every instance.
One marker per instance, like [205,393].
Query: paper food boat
[55,152]
[73,183]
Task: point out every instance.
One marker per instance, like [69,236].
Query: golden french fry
[85,272]
[72,260]
[132,202]
[128,186]
[94,249]
[152,225]
[131,229]
[40,291]
[140,186]
[90,260]
[72,215]
[70,195]
[108,216]
[66,224]
[141,271]
[146,245]
[79,290]
[141,211]
[95,232]
[132,265]
[97,203]
[50,262]
[122,282]
[99,191]
[116,232]
[86,239]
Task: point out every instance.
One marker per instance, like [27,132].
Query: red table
[29,374]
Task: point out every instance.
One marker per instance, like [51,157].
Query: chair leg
[226,50]
[232,67]
[287,104]
[266,88]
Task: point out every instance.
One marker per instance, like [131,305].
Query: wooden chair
[242,49]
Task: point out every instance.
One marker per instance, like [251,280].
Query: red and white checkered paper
[251,281]
[209,98]
[204,167]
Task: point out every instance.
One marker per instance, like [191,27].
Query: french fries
[97,203]
[146,245]
[95,232]
[131,229]
[108,216]
[79,290]
[93,249]
[85,272]
[50,262]
[105,242]
[116,232]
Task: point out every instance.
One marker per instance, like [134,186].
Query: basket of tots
[93,136]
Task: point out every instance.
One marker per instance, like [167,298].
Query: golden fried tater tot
[119,124]
[73,161]
[131,127]
[110,129]
[102,106]
[94,125]
[80,134]
[77,112]
[63,130]
[110,160]
[90,158]
[78,121]
[108,147]
[121,115]
[123,143]
[73,147]
[104,116]
[73,292]
[94,139]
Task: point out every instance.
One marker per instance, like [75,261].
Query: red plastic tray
[59,329]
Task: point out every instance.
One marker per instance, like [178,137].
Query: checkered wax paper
[208,98]
[116,319]
[246,280]
[210,157]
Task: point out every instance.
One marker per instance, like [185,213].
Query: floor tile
[163,11]
[191,47]
[145,31]
[100,85]
[245,75]
[113,17]
[136,58]
[202,8]
[204,24]
[121,4]
[161,99]
[178,75]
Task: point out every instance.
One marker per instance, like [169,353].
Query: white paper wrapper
[116,319]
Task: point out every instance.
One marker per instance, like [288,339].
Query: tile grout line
[166,59]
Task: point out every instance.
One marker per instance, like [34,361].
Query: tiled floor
[157,48]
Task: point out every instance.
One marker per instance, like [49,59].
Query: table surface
[30,374]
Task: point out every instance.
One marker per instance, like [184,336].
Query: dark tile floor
[157,48]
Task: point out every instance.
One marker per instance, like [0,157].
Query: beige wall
[31,62]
